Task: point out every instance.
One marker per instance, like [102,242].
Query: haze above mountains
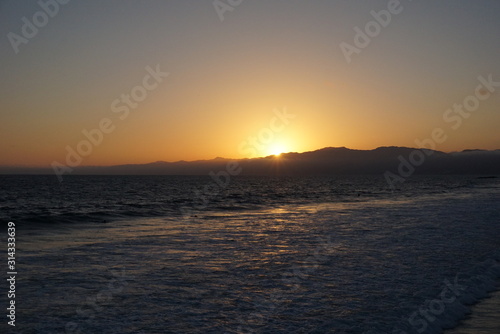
[326,161]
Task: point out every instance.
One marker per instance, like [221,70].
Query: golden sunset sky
[228,80]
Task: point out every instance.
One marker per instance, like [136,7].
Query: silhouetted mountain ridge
[325,161]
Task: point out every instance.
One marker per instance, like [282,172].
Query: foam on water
[389,264]
[484,318]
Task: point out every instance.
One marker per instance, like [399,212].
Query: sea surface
[191,254]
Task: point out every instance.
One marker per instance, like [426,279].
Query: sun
[277,149]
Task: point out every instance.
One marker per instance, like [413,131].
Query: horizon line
[257,157]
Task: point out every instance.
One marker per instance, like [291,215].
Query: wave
[446,309]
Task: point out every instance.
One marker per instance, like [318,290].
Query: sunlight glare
[277,150]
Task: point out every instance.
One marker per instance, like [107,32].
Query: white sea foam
[349,266]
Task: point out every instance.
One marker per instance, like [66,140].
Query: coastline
[484,317]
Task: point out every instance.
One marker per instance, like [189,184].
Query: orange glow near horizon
[226,80]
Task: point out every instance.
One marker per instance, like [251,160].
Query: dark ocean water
[87,199]
[165,254]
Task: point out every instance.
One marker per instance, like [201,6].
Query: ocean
[191,254]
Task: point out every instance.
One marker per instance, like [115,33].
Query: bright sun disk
[277,150]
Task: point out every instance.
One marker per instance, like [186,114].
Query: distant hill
[326,161]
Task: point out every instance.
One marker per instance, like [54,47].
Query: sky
[116,82]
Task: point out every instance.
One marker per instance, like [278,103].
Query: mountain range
[325,161]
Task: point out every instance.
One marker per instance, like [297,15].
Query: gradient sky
[226,78]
